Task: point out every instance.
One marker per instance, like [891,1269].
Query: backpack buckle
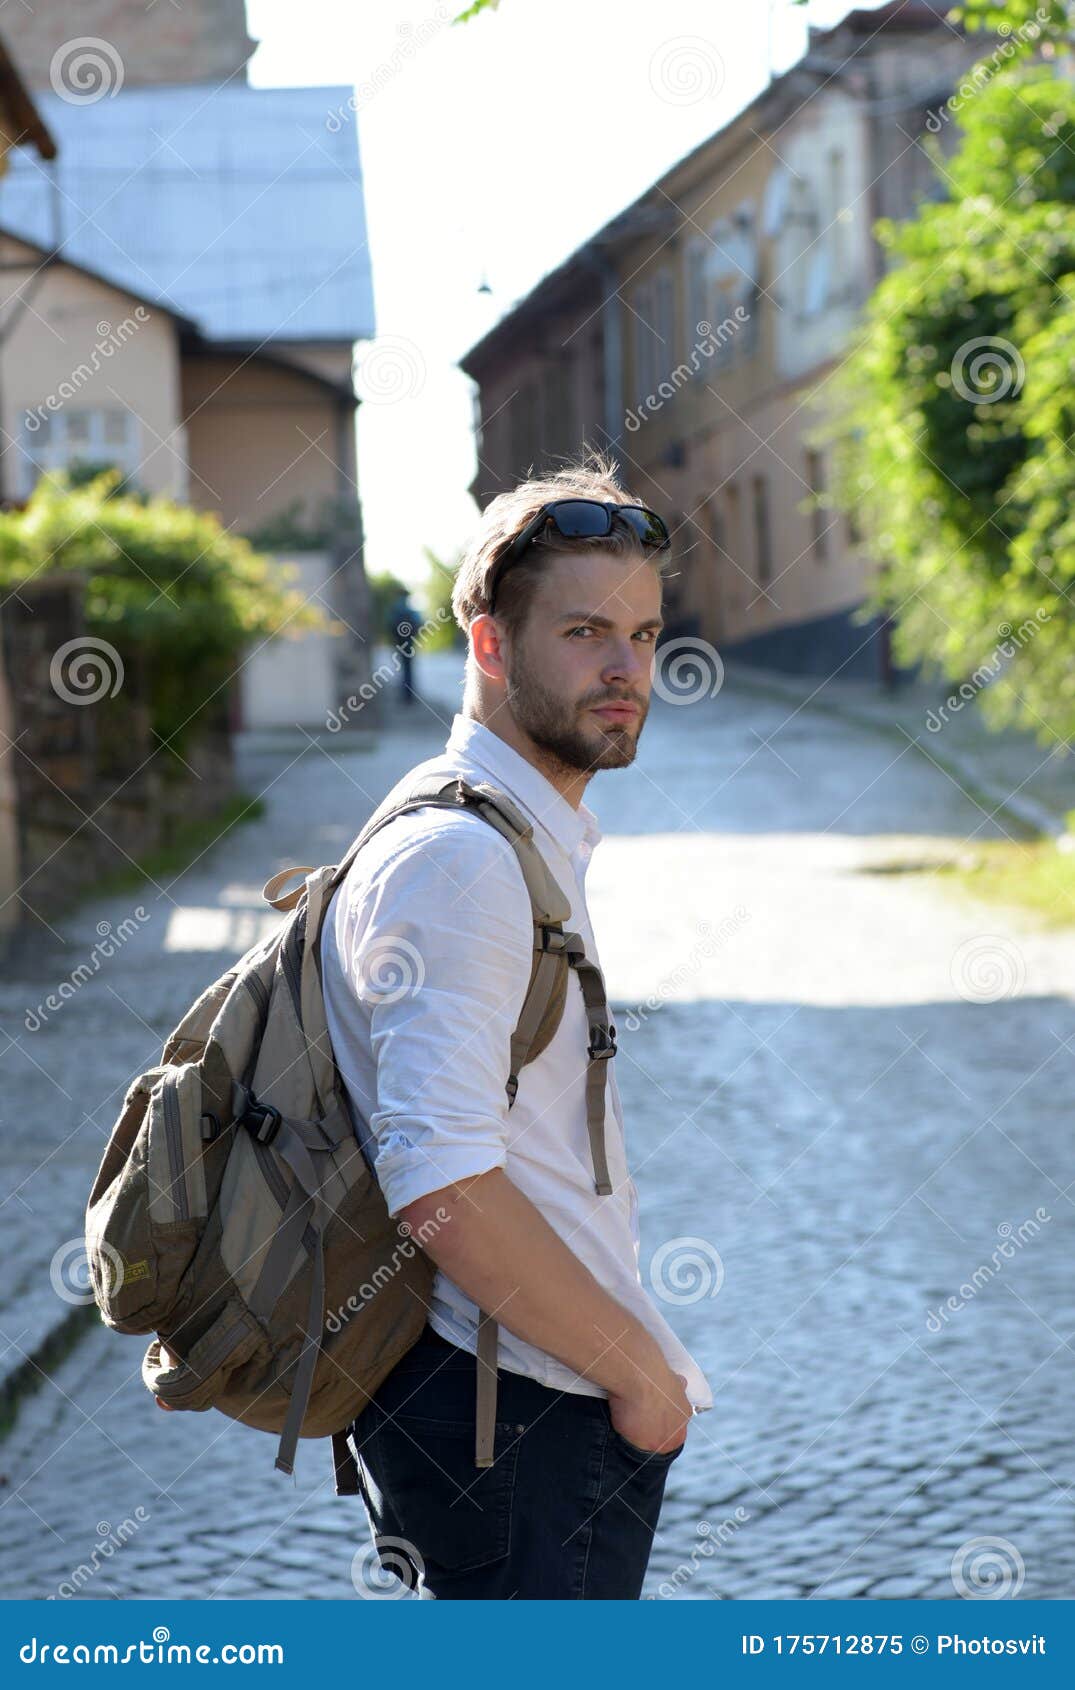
[263,1121]
[552,938]
[602,1042]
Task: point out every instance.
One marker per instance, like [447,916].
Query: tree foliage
[177,596]
[956,407]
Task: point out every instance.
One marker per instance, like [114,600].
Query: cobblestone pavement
[847,1094]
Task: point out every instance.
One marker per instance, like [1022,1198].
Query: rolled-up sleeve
[437,945]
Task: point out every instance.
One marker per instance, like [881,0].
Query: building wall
[85,351]
[543,399]
[261,438]
[770,245]
[199,41]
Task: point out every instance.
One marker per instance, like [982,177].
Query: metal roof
[240,207]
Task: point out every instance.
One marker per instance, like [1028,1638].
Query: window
[665,321]
[558,410]
[697,303]
[62,439]
[763,546]
[731,514]
[645,359]
[819,517]
[524,441]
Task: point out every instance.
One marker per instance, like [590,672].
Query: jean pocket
[636,1453]
[433,1497]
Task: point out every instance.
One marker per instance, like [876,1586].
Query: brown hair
[594,476]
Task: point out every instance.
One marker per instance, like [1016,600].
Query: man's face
[587,643]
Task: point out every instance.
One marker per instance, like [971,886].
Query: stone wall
[85,794]
[199,41]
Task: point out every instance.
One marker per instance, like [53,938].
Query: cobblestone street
[847,1090]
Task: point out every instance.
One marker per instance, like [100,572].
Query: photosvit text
[880,1643]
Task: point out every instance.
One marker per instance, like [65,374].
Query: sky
[490,150]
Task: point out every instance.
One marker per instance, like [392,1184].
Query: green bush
[955,412]
[179,597]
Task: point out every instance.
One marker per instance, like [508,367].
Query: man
[403,621]
[427,955]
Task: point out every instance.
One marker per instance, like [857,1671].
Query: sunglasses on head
[581,519]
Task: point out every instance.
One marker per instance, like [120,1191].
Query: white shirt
[426,956]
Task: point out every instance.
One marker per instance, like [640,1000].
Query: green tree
[172,591]
[956,410]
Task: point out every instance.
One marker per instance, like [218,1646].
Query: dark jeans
[567,1510]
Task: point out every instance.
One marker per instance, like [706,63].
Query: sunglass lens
[647,525]
[579,519]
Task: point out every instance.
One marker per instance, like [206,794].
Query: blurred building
[239,213]
[694,331]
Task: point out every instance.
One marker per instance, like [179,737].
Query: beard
[564,730]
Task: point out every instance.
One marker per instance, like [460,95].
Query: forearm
[497,1247]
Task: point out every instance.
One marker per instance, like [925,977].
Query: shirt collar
[509,769]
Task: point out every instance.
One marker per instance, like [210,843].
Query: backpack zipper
[173,1134]
[255,985]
